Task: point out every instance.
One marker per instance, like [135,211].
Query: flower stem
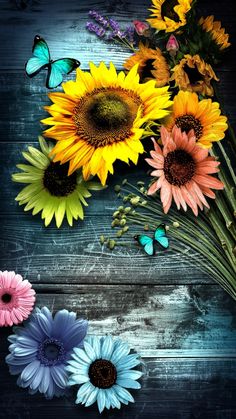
[227,242]
[230,192]
[228,162]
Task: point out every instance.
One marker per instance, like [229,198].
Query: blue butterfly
[41,59]
[148,243]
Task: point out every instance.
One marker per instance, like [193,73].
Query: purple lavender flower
[99,18]
[114,25]
[98,30]
[129,33]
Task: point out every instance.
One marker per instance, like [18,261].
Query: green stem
[191,229]
[228,162]
[226,214]
[226,241]
[212,272]
[216,259]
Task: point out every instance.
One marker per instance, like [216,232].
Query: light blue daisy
[105,369]
[39,351]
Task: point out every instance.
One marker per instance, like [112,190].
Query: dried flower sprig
[109,29]
[142,210]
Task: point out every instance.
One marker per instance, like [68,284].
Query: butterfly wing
[58,69]
[160,236]
[40,59]
[147,243]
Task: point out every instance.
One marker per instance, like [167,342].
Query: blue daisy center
[51,352]
[102,373]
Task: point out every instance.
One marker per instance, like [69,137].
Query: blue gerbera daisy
[105,369]
[39,351]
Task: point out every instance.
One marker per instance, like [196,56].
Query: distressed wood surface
[173,388]
[181,321]
[204,324]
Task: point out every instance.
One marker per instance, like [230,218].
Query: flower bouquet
[165,104]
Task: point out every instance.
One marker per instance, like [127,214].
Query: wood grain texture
[153,318]
[183,324]
[173,388]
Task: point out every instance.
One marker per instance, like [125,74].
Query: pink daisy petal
[157,173]
[166,192]
[157,148]
[155,186]
[175,196]
[199,193]
[157,164]
[16,298]
[209,181]
[208,192]
[185,171]
[189,200]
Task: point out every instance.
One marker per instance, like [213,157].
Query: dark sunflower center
[147,70]
[105,116]
[167,10]
[108,111]
[6,298]
[179,167]
[193,74]
[188,122]
[51,352]
[102,373]
[56,180]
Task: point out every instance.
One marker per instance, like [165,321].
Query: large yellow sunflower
[194,75]
[169,15]
[152,64]
[100,118]
[204,117]
[216,32]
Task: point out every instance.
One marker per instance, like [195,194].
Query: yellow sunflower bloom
[152,64]
[204,117]
[216,32]
[100,118]
[169,15]
[194,75]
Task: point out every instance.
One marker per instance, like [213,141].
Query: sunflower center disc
[109,111]
[188,122]
[56,180]
[51,352]
[179,167]
[148,68]
[105,116]
[6,298]
[167,10]
[193,74]
[102,373]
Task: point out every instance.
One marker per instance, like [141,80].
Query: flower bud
[142,28]
[172,45]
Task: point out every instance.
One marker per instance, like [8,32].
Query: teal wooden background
[181,321]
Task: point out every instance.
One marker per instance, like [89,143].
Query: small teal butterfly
[41,59]
[148,243]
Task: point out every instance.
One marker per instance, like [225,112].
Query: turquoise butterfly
[148,243]
[41,59]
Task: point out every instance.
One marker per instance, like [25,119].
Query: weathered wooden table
[181,321]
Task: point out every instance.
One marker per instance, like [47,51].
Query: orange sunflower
[100,117]
[152,64]
[169,15]
[215,31]
[204,117]
[194,75]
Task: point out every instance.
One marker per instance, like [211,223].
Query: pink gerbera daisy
[183,170]
[16,298]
